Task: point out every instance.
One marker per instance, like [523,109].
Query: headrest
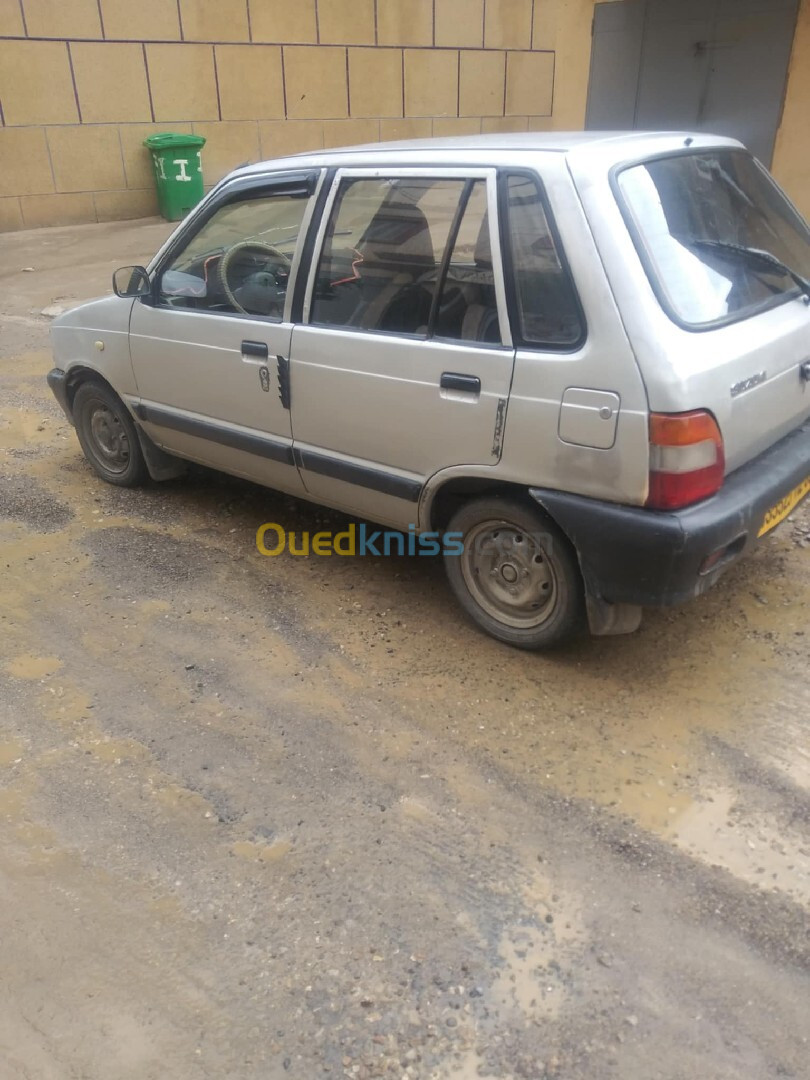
[398,234]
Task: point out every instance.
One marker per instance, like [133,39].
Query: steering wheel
[230,260]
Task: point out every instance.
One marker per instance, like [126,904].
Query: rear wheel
[108,436]
[518,576]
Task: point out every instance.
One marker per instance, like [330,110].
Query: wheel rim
[109,439]
[509,574]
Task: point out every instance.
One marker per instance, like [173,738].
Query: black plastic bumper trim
[261,445]
[57,380]
[631,555]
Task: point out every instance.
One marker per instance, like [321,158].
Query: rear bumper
[630,555]
[57,380]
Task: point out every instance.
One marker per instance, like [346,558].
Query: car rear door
[404,360]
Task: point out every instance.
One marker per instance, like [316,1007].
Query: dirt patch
[293,817]
[23,500]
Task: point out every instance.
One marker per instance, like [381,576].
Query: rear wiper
[757,257]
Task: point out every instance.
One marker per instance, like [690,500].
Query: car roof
[483,150]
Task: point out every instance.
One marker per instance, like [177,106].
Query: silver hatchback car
[586,357]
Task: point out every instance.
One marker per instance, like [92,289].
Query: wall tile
[86,158]
[411,127]
[183,84]
[346,22]
[431,82]
[62,18]
[497,124]
[350,132]
[460,23]
[35,83]
[25,165]
[213,20]
[791,158]
[544,30]
[482,77]
[41,210]
[375,82]
[111,82]
[572,50]
[156,19]
[124,205]
[282,137]
[404,22]
[316,85]
[508,24]
[11,22]
[450,126]
[529,83]
[10,214]
[228,146]
[284,21]
[137,159]
[540,123]
[251,86]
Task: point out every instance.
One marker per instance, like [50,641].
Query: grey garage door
[704,65]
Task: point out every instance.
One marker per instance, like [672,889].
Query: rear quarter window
[546,311]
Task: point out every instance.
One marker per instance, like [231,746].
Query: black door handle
[804,371]
[255,348]
[469,384]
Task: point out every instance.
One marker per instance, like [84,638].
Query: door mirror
[131,281]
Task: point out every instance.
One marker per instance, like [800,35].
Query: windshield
[679,203]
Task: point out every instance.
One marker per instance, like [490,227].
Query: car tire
[107,436]
[517,577]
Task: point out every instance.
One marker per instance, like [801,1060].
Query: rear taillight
[687,462]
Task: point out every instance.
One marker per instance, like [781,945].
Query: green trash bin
[178,172]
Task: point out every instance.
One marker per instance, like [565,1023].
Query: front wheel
[108,436]
[517,576]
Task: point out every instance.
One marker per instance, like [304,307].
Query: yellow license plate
[778,513]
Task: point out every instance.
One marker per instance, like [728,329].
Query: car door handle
[469,384]
[257,349]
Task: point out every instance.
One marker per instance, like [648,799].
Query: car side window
[547,309]
[385,255]
[240,260]
[468,307]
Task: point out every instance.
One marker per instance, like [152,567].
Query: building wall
[791,159]
[83,82]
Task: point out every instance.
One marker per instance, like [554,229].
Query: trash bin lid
[166,140]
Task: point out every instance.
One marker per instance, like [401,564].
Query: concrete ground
[293,817]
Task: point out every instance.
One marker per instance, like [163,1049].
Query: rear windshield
[690,215]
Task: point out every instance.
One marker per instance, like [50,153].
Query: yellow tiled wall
[83,82]
[791,156]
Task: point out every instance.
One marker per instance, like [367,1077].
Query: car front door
[210,346]
[403,363]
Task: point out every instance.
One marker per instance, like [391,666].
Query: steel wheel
[509,574]
[107,434]
[109,437]
[516,574]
